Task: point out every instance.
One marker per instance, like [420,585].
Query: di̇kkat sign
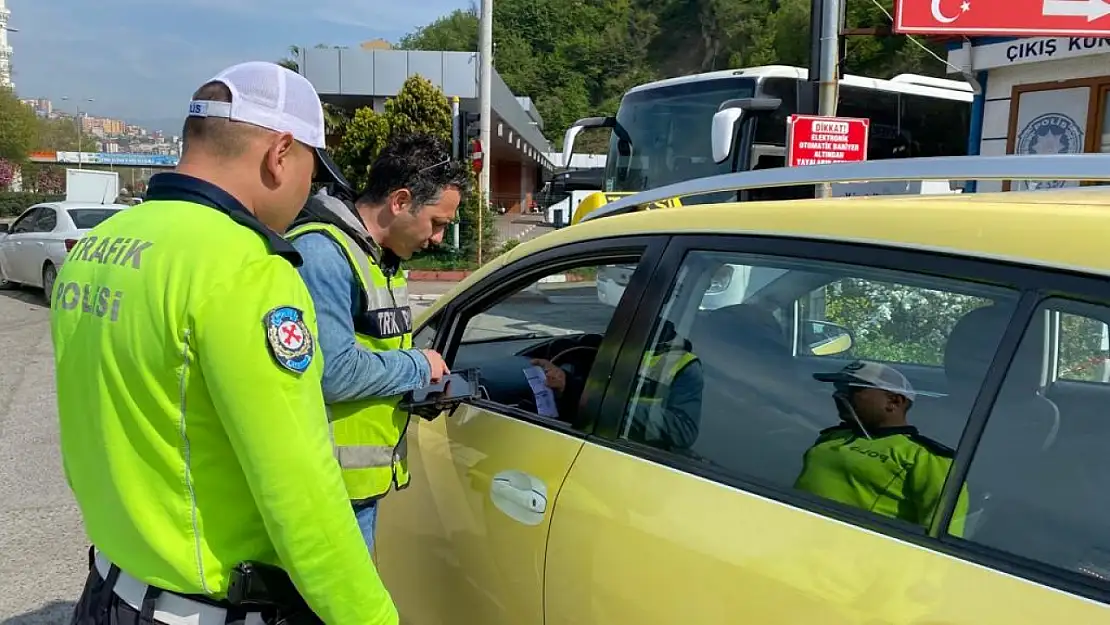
[816,140]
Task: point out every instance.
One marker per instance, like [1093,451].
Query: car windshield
[669,129]
[84,218]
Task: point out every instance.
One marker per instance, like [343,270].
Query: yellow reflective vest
[191,413]
[369,435]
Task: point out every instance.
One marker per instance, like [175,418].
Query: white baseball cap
[871,375]
[276,98]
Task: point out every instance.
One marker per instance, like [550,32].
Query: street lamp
[80,128]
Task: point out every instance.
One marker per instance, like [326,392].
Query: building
[1041,95]
[5,49]
[362,77]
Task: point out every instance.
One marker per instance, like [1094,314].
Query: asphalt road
[43,548]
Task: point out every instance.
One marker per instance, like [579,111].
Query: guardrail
[1063,167]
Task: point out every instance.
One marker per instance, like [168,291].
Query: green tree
[419,107]
[18,128]
[60,134]
[363,138]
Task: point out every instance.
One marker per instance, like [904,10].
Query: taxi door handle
[520,496]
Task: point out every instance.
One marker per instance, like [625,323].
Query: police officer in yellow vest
[352,253]
[193,429]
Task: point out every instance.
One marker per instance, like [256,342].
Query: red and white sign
[1023,18]
[815,140]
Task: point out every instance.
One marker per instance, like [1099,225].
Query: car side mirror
[723,132]
[4,228]
[825,338]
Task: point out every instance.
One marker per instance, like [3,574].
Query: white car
[34,246]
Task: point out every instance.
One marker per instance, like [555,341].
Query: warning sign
[815,140]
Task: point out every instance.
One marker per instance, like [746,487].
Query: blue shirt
[351,372]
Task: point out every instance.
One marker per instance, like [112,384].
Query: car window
[1041,469]
[840,382]
[84,218]
[535,347]
[46,221]
[26,223]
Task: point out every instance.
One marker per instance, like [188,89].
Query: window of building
[1039,475]
[849,384]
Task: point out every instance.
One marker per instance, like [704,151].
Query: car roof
[68,205]
[1061,229]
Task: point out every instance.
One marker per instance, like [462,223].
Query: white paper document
[545,397]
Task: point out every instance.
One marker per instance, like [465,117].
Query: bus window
[669,127]
[773,131]
[881,107]
[934,126]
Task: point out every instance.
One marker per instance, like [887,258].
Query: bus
[663,131]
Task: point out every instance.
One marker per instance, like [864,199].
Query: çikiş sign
[1033,50]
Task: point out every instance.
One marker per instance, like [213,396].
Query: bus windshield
[669,129]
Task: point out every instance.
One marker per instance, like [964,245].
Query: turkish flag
[1078,18]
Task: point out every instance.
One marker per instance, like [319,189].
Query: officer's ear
[279,158]
[400,201]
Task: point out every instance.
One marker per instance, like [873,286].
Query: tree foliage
[19,128]
[421,107]
[576,58]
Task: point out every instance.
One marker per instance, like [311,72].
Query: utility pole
[80,130]
[825,61]
[457,151]
[485,95]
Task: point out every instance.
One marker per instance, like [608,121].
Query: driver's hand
[438,366]
[556,378]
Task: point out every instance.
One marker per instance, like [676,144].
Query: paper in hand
[545,397]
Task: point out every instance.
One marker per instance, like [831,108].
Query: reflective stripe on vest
[368,435]
[656,373]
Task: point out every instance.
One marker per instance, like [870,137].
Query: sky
[140,60]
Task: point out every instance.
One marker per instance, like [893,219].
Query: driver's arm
[682,407]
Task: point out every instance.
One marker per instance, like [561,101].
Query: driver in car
[667,411]
[874,459]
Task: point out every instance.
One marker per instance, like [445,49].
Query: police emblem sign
[1050,133]
[287,335]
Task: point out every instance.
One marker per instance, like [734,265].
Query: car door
[14,247]
[37,244]
[686,506]
[467,541]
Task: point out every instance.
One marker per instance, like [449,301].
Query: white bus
[662,132]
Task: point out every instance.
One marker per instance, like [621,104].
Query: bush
[13,204]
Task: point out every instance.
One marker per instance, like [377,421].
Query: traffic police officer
[193,429]
[874,459]
[352,253]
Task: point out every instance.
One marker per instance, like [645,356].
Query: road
[42,542]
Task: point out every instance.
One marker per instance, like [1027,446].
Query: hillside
[576,57]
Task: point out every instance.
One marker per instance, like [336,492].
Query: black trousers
[100,605]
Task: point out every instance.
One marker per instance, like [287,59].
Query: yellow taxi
[897,415]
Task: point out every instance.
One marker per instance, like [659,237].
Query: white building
[5,49]
[1041,95]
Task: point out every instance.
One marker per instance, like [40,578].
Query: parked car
[35,245]
[618,507]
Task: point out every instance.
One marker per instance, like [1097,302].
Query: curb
[424,298]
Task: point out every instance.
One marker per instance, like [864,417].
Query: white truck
[92,186]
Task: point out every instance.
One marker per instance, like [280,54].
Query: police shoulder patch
[290,342]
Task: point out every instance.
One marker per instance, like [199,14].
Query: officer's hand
[439,367]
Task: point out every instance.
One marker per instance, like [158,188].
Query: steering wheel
[555,359]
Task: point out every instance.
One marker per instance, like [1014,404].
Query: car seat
[1013,457]
[749,418]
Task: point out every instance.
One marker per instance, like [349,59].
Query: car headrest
[744,326]
[972,346]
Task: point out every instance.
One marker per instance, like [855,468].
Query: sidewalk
[427,292]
